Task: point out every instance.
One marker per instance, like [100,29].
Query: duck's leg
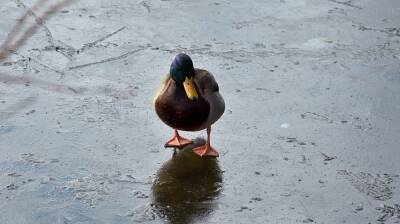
[177,141]
[206,150]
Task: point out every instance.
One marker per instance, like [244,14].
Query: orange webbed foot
[206,150]
[177,141]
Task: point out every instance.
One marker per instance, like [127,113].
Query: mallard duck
[189,100]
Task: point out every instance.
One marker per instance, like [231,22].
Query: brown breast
[176,110]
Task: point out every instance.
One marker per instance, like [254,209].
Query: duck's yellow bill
[190,89]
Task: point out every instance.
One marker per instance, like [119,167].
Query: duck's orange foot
[177,142]
[206,150]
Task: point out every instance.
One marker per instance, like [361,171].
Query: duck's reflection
[186,186]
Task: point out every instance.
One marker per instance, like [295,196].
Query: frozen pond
[311,131]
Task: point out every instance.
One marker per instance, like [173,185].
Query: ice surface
[80,142]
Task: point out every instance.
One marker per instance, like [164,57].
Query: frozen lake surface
[311,132]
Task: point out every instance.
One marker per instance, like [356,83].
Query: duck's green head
[182,72]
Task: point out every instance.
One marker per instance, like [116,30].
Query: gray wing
[206,80]
[210,89]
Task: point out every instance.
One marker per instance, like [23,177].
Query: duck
[189,100]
